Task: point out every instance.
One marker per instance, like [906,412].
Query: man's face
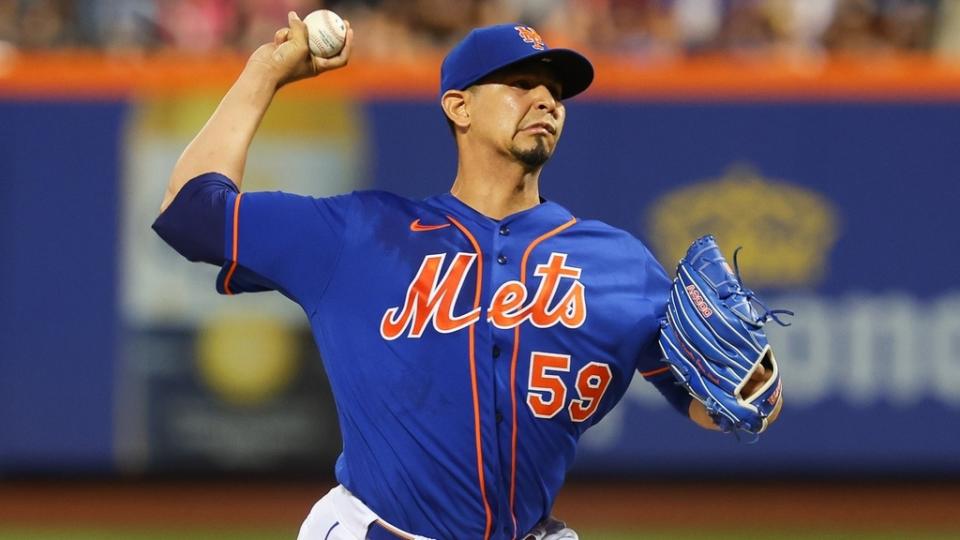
[518,111]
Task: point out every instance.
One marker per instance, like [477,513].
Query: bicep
[281,241]
[262,240]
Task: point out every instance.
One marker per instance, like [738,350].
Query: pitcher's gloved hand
[713,340]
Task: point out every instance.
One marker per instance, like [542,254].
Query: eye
[529,83]
[525,84]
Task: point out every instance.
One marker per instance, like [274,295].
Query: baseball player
[470,338]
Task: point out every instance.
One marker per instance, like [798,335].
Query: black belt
[376,531]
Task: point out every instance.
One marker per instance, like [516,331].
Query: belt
[377,531]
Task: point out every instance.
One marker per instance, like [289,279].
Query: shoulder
[620,251]
[612,237]
[377,210]
[379,196]
[385,200]
[362,204]
[602,228]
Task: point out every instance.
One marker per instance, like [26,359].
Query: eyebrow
[552,84]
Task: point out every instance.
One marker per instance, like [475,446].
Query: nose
[545,100]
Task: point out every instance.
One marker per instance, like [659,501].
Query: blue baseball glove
[714,342]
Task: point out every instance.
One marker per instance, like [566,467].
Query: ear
[455,104]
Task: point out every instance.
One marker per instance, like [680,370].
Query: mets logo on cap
[529,35]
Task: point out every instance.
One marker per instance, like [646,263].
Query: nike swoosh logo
[416,226]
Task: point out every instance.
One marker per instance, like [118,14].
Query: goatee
[532,158]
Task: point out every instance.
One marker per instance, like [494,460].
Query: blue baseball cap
[491,48]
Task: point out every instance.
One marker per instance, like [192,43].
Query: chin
[533,157]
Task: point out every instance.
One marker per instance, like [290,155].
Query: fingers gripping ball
[714,342]
[326,33]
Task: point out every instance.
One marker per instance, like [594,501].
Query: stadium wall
[838,179]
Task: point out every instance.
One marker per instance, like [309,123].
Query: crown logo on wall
[786,230]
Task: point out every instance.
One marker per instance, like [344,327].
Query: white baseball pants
[341,516]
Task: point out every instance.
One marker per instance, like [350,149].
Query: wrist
[264,75]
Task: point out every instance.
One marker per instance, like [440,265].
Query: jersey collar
[545,214]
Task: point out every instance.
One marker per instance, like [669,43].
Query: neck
[495,185]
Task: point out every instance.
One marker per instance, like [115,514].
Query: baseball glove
[713,340]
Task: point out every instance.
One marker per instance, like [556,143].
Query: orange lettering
[505,311]
[431,299]
[427,300]
[571,308]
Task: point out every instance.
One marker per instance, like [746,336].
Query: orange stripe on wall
[473,379]
[513,369]
[92,75]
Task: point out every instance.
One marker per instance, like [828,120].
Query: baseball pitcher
[470,338]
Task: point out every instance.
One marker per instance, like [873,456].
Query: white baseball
[326,33]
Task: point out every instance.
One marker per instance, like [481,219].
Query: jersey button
[504,230]
[499,417]
[502,259]
[496,351]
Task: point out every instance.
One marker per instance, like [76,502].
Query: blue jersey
[466,355]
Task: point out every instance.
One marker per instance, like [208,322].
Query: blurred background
[645,30]
[820,135]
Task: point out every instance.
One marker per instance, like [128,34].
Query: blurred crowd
[401,29]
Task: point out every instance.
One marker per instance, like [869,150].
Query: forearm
[222,145]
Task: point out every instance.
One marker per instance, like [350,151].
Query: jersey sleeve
[262,240]
[281,241]
[663,380]
[656,285]
[193,224]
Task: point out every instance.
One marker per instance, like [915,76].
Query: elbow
[192,223]
[168,196]
[177,236]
